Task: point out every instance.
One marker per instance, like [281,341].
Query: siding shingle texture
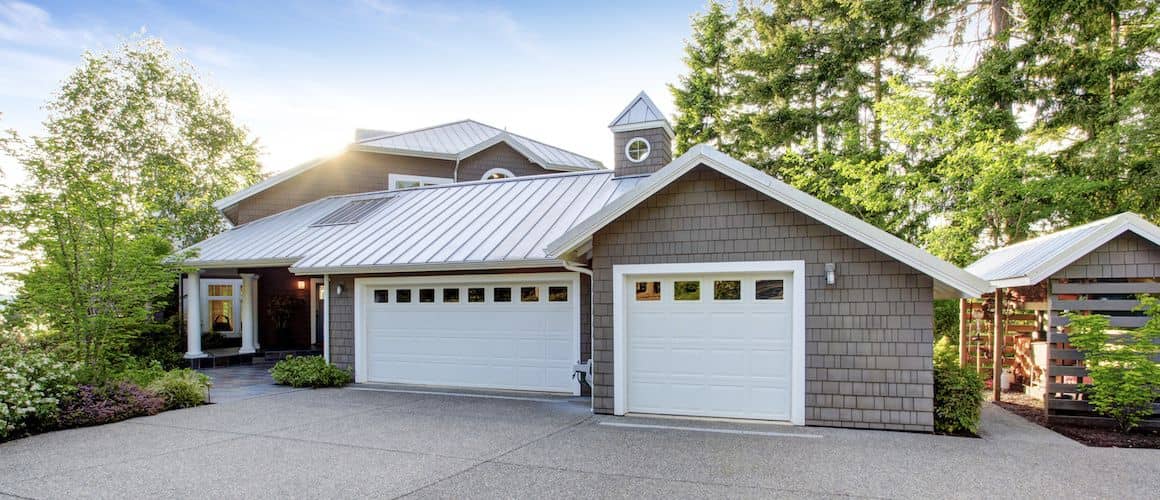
[1125,256]
[660,151]
[868,337]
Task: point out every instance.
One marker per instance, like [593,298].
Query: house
[1097,268]
[688,286]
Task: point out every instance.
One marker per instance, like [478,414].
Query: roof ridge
[593,160]
[431,127]
[522,178]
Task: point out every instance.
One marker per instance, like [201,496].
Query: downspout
[455,173]
[584,370]
[326,318]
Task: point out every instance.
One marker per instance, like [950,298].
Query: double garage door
[512,332]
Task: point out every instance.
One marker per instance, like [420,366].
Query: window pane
[221,315]
[475,295]
[529,294]
[503,294]
[687,290]
[382,296]
[407,184]
[557,294]
[402,295]
[770,289]
[450,295]
[727,290]
[648,290]
[426,295]
[220,290]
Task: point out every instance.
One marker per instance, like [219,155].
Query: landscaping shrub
[946,352]
[106,403]
[958,398]
[32,384]
[309,371]
[141,375]
[1125,380]
[183,388]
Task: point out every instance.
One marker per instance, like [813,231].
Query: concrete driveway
[375,443]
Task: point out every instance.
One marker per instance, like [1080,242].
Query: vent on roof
[351,212]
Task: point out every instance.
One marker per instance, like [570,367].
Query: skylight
[350,213]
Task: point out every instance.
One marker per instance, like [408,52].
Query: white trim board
[620,274]
[363,285]
[956,280]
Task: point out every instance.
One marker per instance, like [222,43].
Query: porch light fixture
[830,278]
[301,284]
[338,289]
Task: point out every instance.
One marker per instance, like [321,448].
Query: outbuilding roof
[950,281]
[449,141]
[468,225]
[1032,261]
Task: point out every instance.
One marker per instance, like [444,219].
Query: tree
[703,94]
[135,151]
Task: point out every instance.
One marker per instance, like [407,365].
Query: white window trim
[506,173]
[393,179]
[622,293]
[364,286]
[207,321]
[647,149]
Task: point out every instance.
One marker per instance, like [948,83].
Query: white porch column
[249,325]
[193,316]
[252,294]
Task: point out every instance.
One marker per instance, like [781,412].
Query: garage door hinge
[583,372]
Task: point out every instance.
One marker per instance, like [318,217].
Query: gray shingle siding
[660,151]
[342,322]
[1126,256]
[868,337]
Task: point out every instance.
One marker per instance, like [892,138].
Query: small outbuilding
[1098,268]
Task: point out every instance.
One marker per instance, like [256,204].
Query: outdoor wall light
[301,284]
[830,279]
[338,289]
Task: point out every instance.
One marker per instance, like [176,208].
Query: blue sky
[302,75]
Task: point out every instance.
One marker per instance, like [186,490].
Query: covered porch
[239,315]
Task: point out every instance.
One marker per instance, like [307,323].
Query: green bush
[181,388]
[309,371]
[946,352]
[32,384]
[958,399]
[141,375]
[1125,380]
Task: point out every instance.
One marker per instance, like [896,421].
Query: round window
[637,149]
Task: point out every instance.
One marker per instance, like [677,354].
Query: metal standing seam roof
[1032,261]
[641,113]
[495,223]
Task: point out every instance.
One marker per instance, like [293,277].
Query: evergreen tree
[703,95]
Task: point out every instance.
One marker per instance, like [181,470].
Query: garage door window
[402,296]
[450,295]
[727,290]
[382,296]
[427,295]
[648,290]
[475,295]
[770,289]
[557,294]
[501,294]
[529,294]
[686,290]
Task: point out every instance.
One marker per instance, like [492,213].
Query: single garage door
[505,334]
[717,345]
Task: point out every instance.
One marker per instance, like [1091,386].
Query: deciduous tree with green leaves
[134,152]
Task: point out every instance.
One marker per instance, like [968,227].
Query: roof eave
[430,267]
[661,124]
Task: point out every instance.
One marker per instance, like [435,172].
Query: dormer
[642,138]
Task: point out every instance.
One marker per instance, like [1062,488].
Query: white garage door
[506,334]
[716,345]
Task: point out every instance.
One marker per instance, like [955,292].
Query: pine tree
[704,94]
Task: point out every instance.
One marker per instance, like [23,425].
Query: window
[727,290]
[404,181]
[222,301]
[637,149]
[501,294]
[426,295]
[382,296]
[648,290]
[450,295]
[770,289]
[557,294]
[475,295]
[686,290]
[497,173]
[402,296]
[529,294]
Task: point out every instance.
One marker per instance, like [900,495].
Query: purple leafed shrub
[102,404]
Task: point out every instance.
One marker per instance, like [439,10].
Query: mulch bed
[1032,409]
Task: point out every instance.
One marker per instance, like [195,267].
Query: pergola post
[249,325]
[963,317]
[193,316]
[997,348]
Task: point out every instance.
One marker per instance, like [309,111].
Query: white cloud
[27,24]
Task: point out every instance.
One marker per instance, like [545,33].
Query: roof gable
[950,280]
[1032,261]
[641,113]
